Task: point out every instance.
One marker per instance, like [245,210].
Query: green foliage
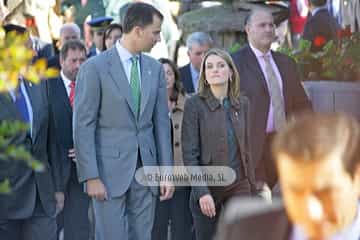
[333,61]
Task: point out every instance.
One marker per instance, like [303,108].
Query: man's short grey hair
[200,38]
[72,26]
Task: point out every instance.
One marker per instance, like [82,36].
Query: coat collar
[213,103]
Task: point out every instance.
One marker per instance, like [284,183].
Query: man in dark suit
[198,43]
[74,218]
[43,49]
[28,212]
[317,158]
[69,31]
[320,27]
[271,82]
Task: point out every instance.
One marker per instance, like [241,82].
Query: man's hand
[60,198]
[71,154]
[96,189]
[207,205]
[166,190]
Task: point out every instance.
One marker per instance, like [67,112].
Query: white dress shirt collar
[66,82]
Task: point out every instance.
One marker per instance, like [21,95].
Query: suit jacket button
[176,126]
[177,144]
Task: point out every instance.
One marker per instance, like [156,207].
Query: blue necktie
[21,106]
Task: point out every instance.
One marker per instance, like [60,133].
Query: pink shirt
[260,58]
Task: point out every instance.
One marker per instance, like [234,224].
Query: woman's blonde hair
[234,84]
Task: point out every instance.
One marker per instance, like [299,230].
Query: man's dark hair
[73,45]
[318,3]
[317,136]
[139,14]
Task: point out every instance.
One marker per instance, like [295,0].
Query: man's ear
[138,31]
[356,176]
[247,29]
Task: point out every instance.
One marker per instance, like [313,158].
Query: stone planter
[334,96]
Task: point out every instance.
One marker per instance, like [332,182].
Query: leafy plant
[334,61]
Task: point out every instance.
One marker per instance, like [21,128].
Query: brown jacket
[204,135]
[176,119]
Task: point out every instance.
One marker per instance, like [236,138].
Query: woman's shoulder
[243,98]
[193,101]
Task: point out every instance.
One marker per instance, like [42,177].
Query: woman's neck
[220,91]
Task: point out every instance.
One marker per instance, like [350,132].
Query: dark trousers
[205,227]
[175,212]
[39,226]
[74,218]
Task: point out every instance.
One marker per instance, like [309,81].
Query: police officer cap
[100,23]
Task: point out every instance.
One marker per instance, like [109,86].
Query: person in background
[29,211]
[111,34]
[74,217]
[175,211]
[215,132]
[98,26]
[273,85]
[69,31]
[198,43]
[299,10]
[321,26]
[317,158]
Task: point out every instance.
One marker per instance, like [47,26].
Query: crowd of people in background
[120,106]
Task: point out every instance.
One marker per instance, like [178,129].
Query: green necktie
[135,84]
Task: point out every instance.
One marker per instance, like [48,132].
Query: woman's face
[115,34]
[169,75]
[217,71]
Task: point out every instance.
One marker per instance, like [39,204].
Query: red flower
[319,41]
[344,33]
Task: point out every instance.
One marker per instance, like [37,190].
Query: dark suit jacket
[253,83]
[62,112]
[54,62]
[43,49]
[253,219]
[186,79]
[321,24]
[24,181]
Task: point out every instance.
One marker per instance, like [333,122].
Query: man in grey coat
[121,123]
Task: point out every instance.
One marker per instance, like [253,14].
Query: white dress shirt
[66,82]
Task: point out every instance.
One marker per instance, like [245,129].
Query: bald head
[69,31]
[260,29]
[255,13]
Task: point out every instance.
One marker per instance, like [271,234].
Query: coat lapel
[61,94]
[117,73]
[146,73]
[281,65]
[254,65]
[34,98]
